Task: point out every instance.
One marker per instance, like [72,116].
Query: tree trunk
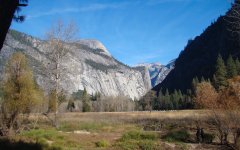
[12,121]
[57,92]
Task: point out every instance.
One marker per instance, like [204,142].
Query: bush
[177,136]
[131,135]
[102,143]
[138,135]
[208,138]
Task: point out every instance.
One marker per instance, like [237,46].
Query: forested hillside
[198,59]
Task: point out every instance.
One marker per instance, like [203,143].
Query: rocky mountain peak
[157,71]
[95,44]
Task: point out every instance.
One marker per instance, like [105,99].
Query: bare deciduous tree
[224,107]
[113,104]
[58,37]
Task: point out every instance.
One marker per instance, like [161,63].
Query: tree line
[164,100]
[81,101]
[221,98]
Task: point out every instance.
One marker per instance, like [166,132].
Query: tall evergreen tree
[202,79]
[195,82]
[167,96]
[175,100]
[167,100]
[86,104]
[237,63]
[231,67]
[220,75]
[160,99]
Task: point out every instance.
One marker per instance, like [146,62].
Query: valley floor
[116,131]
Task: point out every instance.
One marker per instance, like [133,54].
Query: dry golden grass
[131,116]
[87,129]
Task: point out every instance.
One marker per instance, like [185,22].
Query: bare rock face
[88,64]
[95,45]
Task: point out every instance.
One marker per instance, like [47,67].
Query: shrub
[102,143]
[138,135]
[208,138]
[177,136]
[131,135]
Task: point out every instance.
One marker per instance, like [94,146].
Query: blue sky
[134,31]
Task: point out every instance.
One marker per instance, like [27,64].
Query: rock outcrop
[88,64]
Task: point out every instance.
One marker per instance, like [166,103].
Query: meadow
[117,130]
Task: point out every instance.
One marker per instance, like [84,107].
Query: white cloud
[92,7]
[156,2]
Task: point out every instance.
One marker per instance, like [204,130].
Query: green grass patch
[138,144]
[177,136]
[139,135]
[51,137]
[49,134]
[102,143]
[138,140]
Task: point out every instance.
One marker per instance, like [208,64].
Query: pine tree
[160,99]
[86,104]
[71,105]
[167,96]
[220,75]
[180,94]
[231,67]
[237,63]
[176,98]
[202,79]
[167,100]
[195,81]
